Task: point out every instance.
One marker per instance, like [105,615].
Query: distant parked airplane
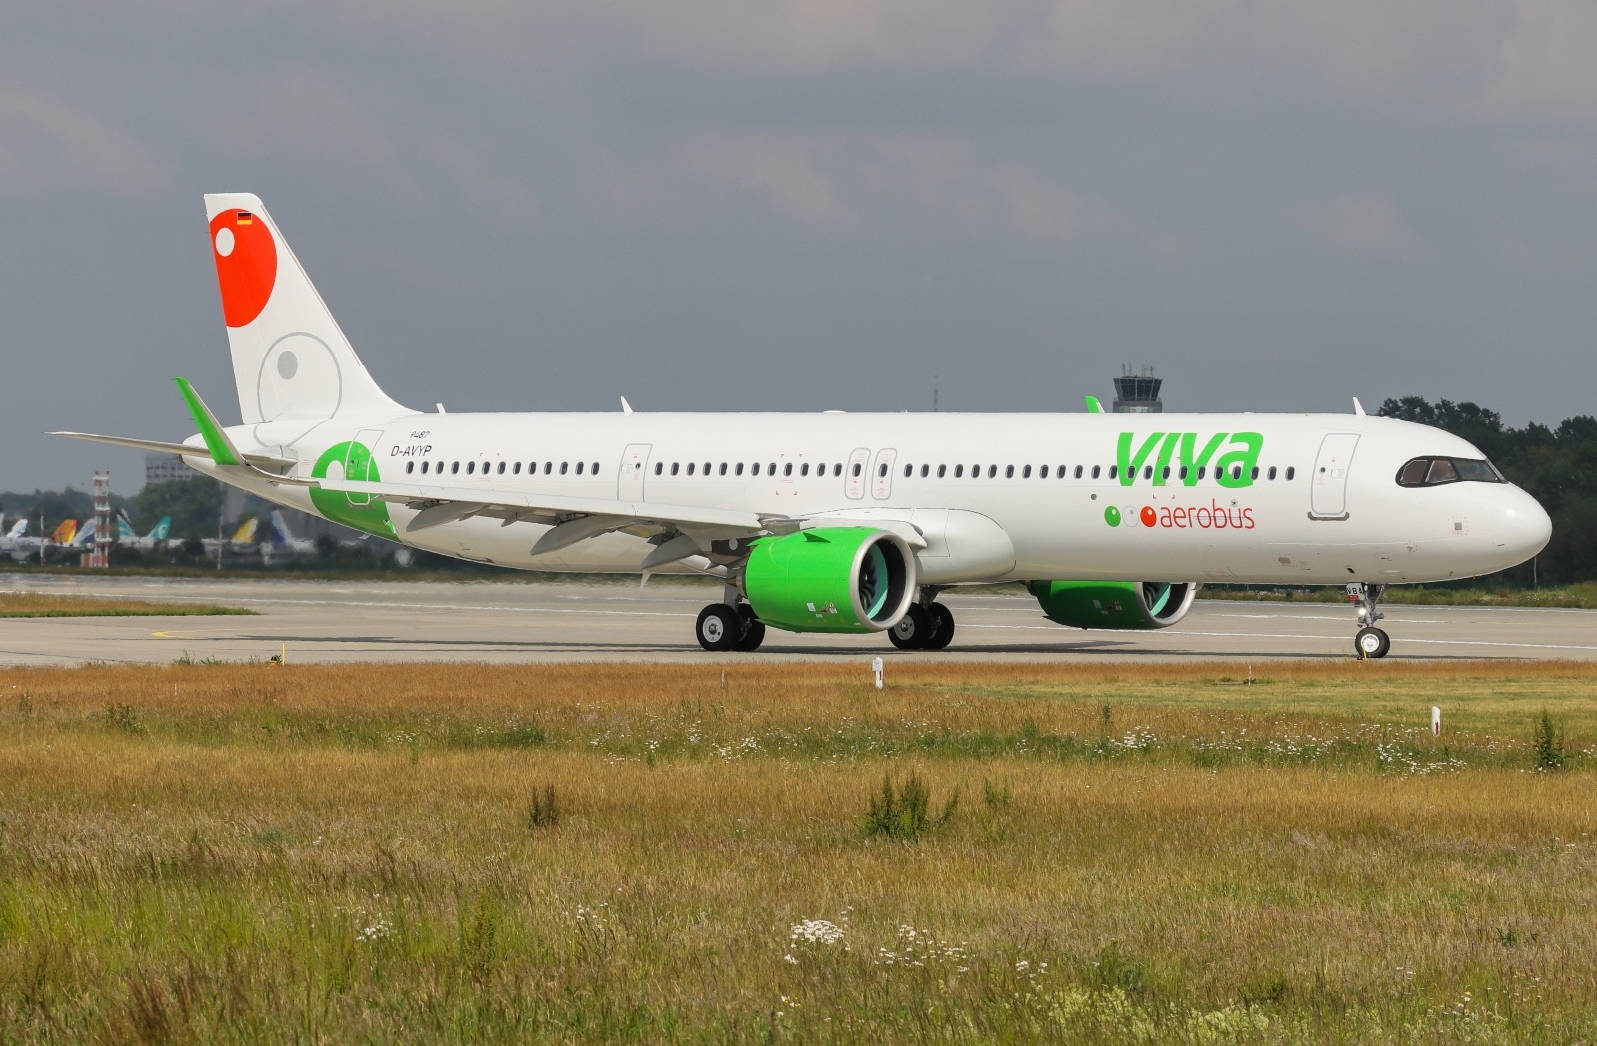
[127,537]
[242,543]
[840,522]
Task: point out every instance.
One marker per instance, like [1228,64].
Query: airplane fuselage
[1246,498]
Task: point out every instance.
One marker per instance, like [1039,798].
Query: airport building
[1138,393]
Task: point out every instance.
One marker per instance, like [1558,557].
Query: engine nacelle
[1115,604]
[831,579]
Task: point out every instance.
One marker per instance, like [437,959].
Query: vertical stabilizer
[292,363]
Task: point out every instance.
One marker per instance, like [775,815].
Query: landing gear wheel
[1371,642]
[912,630]
[942,625]
[719,627]
[753,629]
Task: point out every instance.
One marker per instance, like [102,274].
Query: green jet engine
[1115,604]
[831,579]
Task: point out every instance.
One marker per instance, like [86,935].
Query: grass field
[42,604]
[652,853]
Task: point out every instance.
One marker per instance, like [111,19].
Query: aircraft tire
[1371,643]
[912,630]
[719,627]
[942,627]
[753,629]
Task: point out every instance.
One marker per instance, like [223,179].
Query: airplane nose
[1529,526]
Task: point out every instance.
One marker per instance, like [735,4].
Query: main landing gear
[925,625]
[724,626]
[1369,641]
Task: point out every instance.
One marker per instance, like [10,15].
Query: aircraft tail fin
[290,358]
[280,531]
[161,529]
[246,530]
[19,528]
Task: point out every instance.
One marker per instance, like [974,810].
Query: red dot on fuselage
[246,264]
[1149,516]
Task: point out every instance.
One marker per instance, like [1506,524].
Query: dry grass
[328,853]
[41,604]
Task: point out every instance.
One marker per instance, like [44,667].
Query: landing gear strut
[926,625]
[1369,641]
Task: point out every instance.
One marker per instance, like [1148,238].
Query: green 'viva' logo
[361,511]
[1181,450]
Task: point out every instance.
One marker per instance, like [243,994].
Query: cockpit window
[1431,472]
[1441,471]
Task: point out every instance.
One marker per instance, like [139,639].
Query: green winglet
[222,450]
[1093,406]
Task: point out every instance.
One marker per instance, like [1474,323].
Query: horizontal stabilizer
[192,450]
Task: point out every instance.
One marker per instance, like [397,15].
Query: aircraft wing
[574,519]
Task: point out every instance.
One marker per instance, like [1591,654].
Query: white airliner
[838,522]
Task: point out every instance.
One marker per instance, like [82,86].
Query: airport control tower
[1137,392]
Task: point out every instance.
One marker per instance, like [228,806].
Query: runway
[532,622]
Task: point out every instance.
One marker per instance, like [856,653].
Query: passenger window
[454,468]
[1202,471]
[909,470]
[674,467]
[837,469]
[1166,472]
[1113,470]
[579,467]
[925,470]
[1095,469]
[804,469]
[1183,473]
[548,467]
[959,471]
[883,470]
[1236,471]
[723,469]
[856,468]
[410,466]
[1009,472]
[1042,472]
[595,469]
[471,467]
[1147,472]
[516,469]
[770,470]
[1271,473]
[690,467]
[992,471]
[942,470]
[659,467]
[1078,472]
[1291,472]
[562,468]
[787,469]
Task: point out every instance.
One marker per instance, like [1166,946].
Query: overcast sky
[805,204]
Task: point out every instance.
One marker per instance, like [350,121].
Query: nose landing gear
[1368,641]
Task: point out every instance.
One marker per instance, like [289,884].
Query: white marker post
[1436,721]
[876,666]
